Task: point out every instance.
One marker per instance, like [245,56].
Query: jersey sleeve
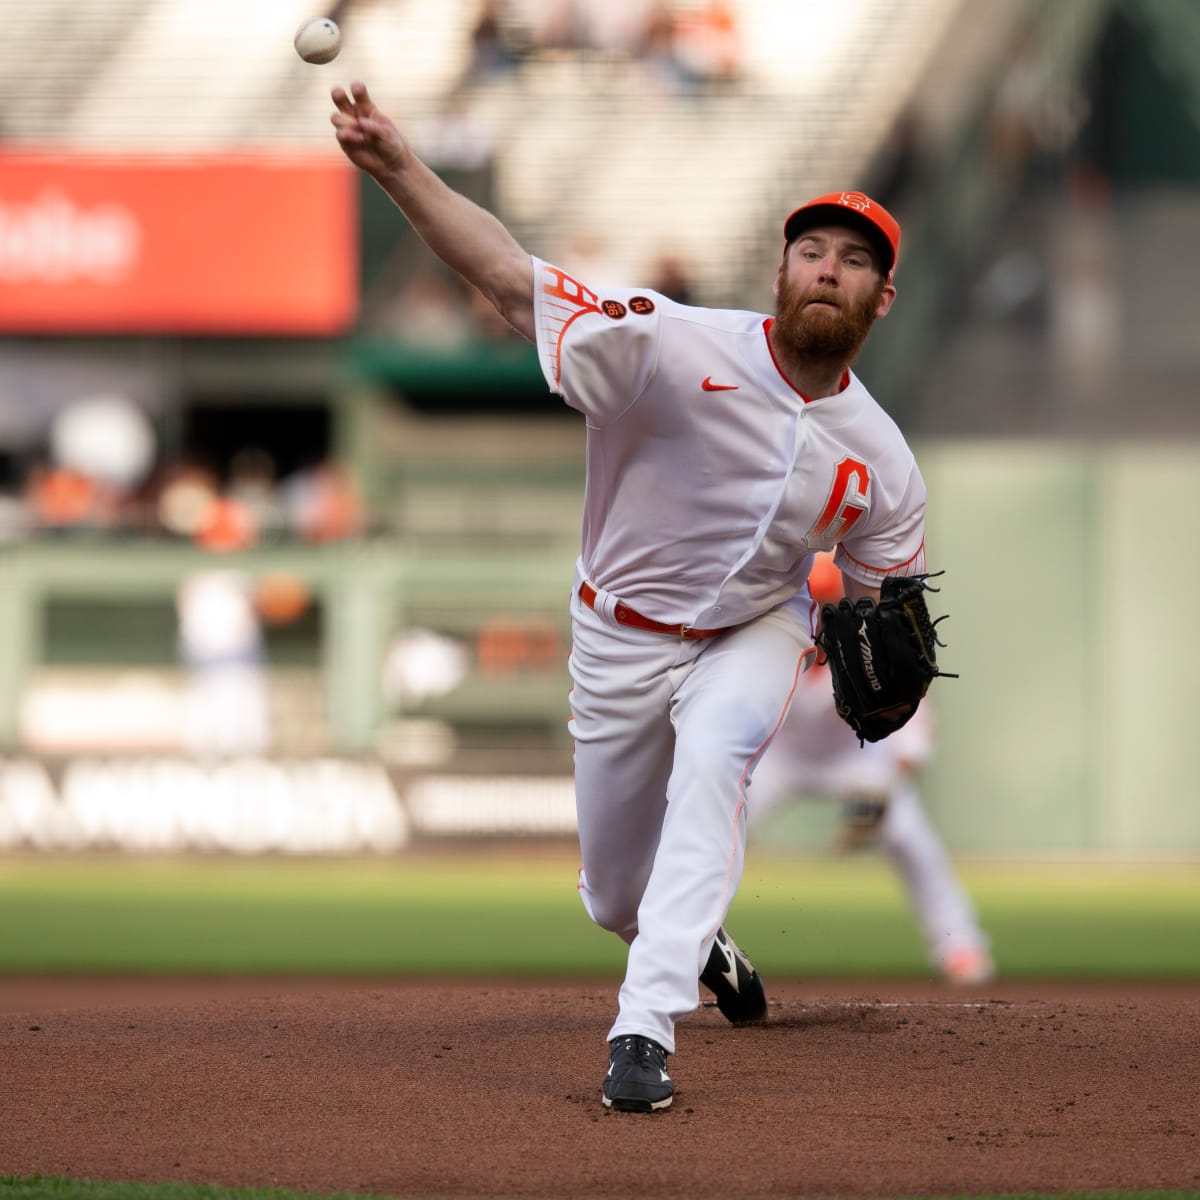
[893,542]
[596,351]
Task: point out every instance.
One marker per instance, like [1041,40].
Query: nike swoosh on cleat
[709,386]
[730,971]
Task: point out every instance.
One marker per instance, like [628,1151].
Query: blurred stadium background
[288,522]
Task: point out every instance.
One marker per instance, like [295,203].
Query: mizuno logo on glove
[868,657]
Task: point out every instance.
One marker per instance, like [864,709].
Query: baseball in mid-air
[318,41]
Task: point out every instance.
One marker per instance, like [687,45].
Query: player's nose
[827,270]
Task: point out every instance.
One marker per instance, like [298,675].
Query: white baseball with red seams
[318,41]
[711,482]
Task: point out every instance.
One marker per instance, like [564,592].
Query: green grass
[39,1187]
[505,913]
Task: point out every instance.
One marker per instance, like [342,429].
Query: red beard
[820,333]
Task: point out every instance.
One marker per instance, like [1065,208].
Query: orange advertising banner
[196,245]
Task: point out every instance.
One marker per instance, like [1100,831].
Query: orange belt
[624,615]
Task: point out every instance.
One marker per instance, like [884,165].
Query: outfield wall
[1070,729]
[1069,569]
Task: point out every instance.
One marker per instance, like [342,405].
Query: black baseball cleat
[637,1079]
[731,977]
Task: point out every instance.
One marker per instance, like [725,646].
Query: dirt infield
[493,1089]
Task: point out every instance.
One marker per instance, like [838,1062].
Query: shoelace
[640,1047]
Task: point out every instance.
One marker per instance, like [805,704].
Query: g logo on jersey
[847,500]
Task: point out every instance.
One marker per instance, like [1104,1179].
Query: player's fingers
[341,100]
[361,97]
[374,128]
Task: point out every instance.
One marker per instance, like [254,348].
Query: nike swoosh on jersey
[709,386]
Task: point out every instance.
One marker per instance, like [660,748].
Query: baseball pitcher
[724,449]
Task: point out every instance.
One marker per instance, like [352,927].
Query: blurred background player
[816,754]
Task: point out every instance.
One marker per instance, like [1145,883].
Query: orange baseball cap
[852,208]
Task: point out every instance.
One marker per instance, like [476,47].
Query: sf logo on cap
[855,200]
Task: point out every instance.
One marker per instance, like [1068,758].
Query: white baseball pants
[667,732]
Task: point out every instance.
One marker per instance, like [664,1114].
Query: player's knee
[615,913]
[618,919]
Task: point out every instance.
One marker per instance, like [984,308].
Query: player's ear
[886,297]
[779,274]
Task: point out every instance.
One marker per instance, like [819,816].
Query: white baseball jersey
[711,481]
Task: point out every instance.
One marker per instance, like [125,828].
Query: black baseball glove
[882,656]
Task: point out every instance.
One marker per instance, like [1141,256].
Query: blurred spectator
[226,523]
[613,28]
[221,647]
[1017,108]
[493,53]
[187,491]
[253,484]
[708,44]
[60,498]
[101,449]
[670,277]
[323,503]
[549,24]
[192,505]
[657,50]
[188,501]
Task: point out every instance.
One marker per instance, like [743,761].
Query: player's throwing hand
[368,138]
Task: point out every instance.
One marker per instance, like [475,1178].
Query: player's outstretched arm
[467,238]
